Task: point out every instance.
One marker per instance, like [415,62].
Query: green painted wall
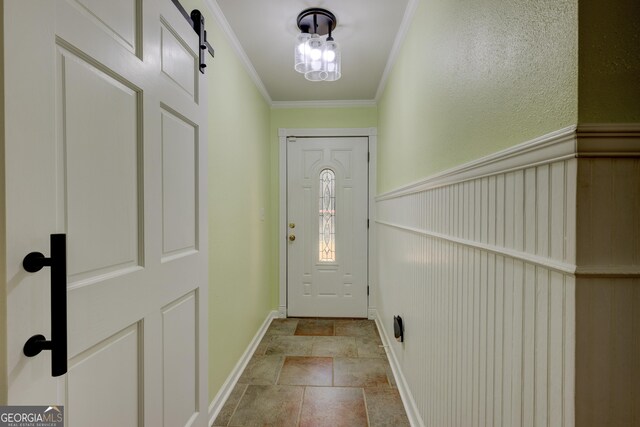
[240,295]
[339,117]
[294,118]
[609,61]
[475,77]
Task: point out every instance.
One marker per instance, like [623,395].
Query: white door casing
[327,278]
[105,141]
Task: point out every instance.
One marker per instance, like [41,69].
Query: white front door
[105,142]
[327,188]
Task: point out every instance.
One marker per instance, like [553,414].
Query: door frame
[283,135]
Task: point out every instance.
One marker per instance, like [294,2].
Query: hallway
[316,372]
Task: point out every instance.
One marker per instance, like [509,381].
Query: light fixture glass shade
[332,61]
[300,52]
[314,65]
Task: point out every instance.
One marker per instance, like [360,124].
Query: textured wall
[609,56]
[473,78]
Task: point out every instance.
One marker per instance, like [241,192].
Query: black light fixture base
[316,20]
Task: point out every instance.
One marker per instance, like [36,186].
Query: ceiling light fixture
[315,57]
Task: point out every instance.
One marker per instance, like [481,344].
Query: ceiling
[266,30]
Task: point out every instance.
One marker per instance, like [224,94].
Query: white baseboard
[407,398]
[282,312]
[221,397]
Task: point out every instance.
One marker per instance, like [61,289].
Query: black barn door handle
[34,262]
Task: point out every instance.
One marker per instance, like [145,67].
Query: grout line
[354,340]
[366,406]
[246,386]
[304,392]
[333,371]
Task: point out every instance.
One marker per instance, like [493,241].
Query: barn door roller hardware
[196,20]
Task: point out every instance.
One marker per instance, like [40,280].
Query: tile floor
[316,372]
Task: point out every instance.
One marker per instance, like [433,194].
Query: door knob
[292,237]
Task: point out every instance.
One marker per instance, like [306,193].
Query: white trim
[548,263]
[324,104]
[409,403]
[283,134]
[223,394]
[215,10]
[588,140]
[282,229]
[282,312]
[372,231]
[548,148]
[326,132]
[409,13]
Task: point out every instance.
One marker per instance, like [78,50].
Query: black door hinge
[367,222]
[367,290]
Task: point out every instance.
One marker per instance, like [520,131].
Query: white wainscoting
[518,278]
[482,270]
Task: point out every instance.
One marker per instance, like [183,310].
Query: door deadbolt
[292,225]
[292,237]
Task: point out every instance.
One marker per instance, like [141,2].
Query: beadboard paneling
[482,273]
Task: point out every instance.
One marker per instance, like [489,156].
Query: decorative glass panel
[327,216]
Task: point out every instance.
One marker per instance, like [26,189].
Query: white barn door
[327,187]
[105,141]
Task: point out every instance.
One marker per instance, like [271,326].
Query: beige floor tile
[298,370]
[274,405]
[356,328]
[230,406]
[290,346]
[333,407]
[282,327]
[262,370]
[370,346]
[360,372]
[385,408]
[262,347]
[334,347]
[315,327]
[327,372]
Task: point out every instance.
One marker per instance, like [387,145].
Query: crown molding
[324,104]
[215,10]
[221,20]
[409,13]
